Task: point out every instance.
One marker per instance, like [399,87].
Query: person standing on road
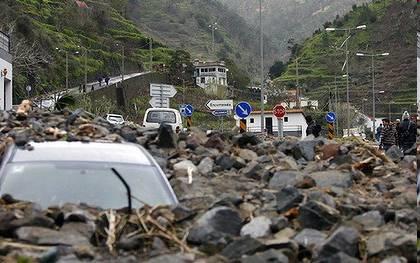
[313,127]
[408,131]
[100,81]
[388,135]
[107,78]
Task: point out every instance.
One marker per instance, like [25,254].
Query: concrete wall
[134,87]
[6,84]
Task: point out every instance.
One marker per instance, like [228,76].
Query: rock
[287,163]
[238,162]
[382,245]
[370,220]
[247,155]
[394,259]
[166,137]
[409,162]
[330,150]
[284,236]
[252,170]
[215,224]
[306,148]
[309,238]
[284,178]
[182,168]
[225,162]
[344,239]
[278,223]
[288,198]
[340,257]
[128,134]
[206,166]
[130,243]
[306,183]
[173,258]
[406,216]
[269,256]
[5,218]
[84,252]
[323,198]
[395,153]
[243,246]
[317,215]
[45,236]
[332,178]
[258,227]
[215,142]
[245,139]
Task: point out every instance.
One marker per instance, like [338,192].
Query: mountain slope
[391,27]
[185,24]
[290,19]
[40,28]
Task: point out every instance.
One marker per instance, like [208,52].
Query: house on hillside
[294,123]
[81,4]
[6,73]
[210,73]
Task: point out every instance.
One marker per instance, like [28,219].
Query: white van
[155,116]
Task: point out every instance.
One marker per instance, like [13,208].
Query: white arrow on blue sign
[330,117]
[243,109]
[186,110]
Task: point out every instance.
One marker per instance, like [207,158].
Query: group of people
[401,133]
[105,78]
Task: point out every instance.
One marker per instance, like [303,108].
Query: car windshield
[95,184]
[161,116]
[115,118]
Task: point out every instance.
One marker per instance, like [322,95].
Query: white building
[294,123]
[304,102]
[5,73]
[208,73]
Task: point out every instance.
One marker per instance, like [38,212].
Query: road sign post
[160,94]
[243,109]
[330,118]
[189,122]
[242,126]
[216,105]
[279,111]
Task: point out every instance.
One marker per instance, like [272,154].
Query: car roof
[162,109]
[83,152]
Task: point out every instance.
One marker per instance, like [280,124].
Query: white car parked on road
[154,117]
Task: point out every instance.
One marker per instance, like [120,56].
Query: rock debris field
[242,198]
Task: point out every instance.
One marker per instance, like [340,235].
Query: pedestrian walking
[92,88]
[388,135]
[378,133]
[100,81]
[107,78]
[313,127]
[408,131]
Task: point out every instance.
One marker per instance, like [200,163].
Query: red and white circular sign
[279,111]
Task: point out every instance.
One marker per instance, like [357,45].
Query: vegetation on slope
[391,27]
[43,31]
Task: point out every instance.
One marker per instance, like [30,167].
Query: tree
[180,67]
[236,77]
[277,69]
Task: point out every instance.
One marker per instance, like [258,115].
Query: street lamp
[85,55]
[346,63]
[67,65]
[262,69]
[122,62]
[213,28]
[373,56]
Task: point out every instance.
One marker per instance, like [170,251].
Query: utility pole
[85,68]
[67,70]
[348,35]
[297,84]
[213,27]
[336,104]
[373,55]
[123,65]
[262,69]
[151,53]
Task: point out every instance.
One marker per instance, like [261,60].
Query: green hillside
[391,27]
[39,28]
[184,24]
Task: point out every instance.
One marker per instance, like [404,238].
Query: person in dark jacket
[388,135]
[397,128]
[313,127]
[408,132]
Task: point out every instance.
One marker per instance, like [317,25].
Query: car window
[50,184]
[161,116]
[115,118]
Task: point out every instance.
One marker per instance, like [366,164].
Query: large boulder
[309,238]
[370,220]
[283,178]
[269,256]
[288,198]
[214,225]
[317,215]
[258,227]
[243,246]
[344,239]
[384,244]
[332,178]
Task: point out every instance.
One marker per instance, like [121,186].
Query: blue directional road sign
[330,117]
[220,113]
[186,110]
[243,109]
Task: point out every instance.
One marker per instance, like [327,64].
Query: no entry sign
[279,111]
